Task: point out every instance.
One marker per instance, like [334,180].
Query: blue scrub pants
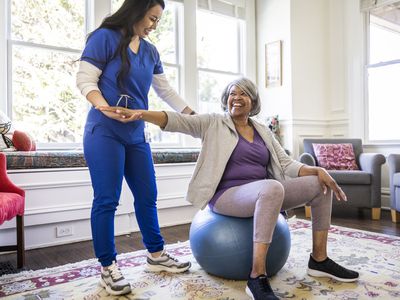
[109,159]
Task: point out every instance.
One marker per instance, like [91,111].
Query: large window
[219,49]
[167,39]
[384,73]
[46,37]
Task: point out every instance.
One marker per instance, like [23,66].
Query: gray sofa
[394,177]
[362,187]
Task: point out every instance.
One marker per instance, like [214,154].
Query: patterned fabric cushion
[335,156]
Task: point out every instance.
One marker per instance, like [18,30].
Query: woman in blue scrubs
[117,68]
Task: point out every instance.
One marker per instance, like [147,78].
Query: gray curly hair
[249,88]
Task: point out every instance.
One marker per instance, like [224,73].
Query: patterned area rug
[375,256]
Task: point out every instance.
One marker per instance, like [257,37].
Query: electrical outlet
[62,231]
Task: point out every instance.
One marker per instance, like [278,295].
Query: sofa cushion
[350,177]
[396,179]
[335,156]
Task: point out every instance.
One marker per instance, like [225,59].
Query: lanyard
[124,97]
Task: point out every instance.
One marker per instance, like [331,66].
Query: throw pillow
[335,156]
[23,141]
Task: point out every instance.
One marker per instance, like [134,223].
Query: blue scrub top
[99,51]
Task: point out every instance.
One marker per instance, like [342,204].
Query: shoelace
[124,97]
[115,272]
[169,256]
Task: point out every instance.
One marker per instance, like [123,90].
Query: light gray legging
[264,199]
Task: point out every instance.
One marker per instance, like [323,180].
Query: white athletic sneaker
[113,280]
[166,262]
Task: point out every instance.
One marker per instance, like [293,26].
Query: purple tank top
[247,163]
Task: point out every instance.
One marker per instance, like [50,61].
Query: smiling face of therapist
[149,22]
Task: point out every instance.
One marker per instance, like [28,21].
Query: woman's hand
[115,116]
[158,118]
[327,181]
[121,114]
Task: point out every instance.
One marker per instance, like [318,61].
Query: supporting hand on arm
[97,99]
[325,180]
[128,115]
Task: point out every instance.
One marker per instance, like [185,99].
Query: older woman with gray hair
[242,171]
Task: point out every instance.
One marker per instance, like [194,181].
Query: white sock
[156,258]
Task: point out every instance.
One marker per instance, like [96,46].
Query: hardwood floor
[359,219]
[70,253]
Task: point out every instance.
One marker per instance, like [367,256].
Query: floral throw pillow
[335,156]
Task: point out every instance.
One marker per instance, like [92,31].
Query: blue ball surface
[223,245]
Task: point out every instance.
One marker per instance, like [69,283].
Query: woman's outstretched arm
[195,125]
[158,118]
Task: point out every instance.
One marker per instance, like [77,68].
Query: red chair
[12,204]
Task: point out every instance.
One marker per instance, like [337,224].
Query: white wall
[322,73]
[62,198]
[310,70]
[269,14]
[273,24]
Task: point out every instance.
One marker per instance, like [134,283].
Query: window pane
[51,22]
[115,4]
[210,90]
[155,103]
[380,38]
[217,42]
[46,101]
[384,123]
[164,38]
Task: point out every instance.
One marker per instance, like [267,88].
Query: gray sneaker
[113,280]
[166,262]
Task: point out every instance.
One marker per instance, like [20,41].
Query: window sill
[75,159]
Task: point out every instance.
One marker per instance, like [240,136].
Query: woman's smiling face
[149,23]
[239,103]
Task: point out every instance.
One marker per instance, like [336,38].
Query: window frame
[240,64]
[368,65]
[89,19]
[179,16]
[3,58]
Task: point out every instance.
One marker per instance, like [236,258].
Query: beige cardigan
[219,139]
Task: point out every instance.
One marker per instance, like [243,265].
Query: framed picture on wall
[273,64]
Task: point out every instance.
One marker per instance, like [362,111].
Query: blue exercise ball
[223,246]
